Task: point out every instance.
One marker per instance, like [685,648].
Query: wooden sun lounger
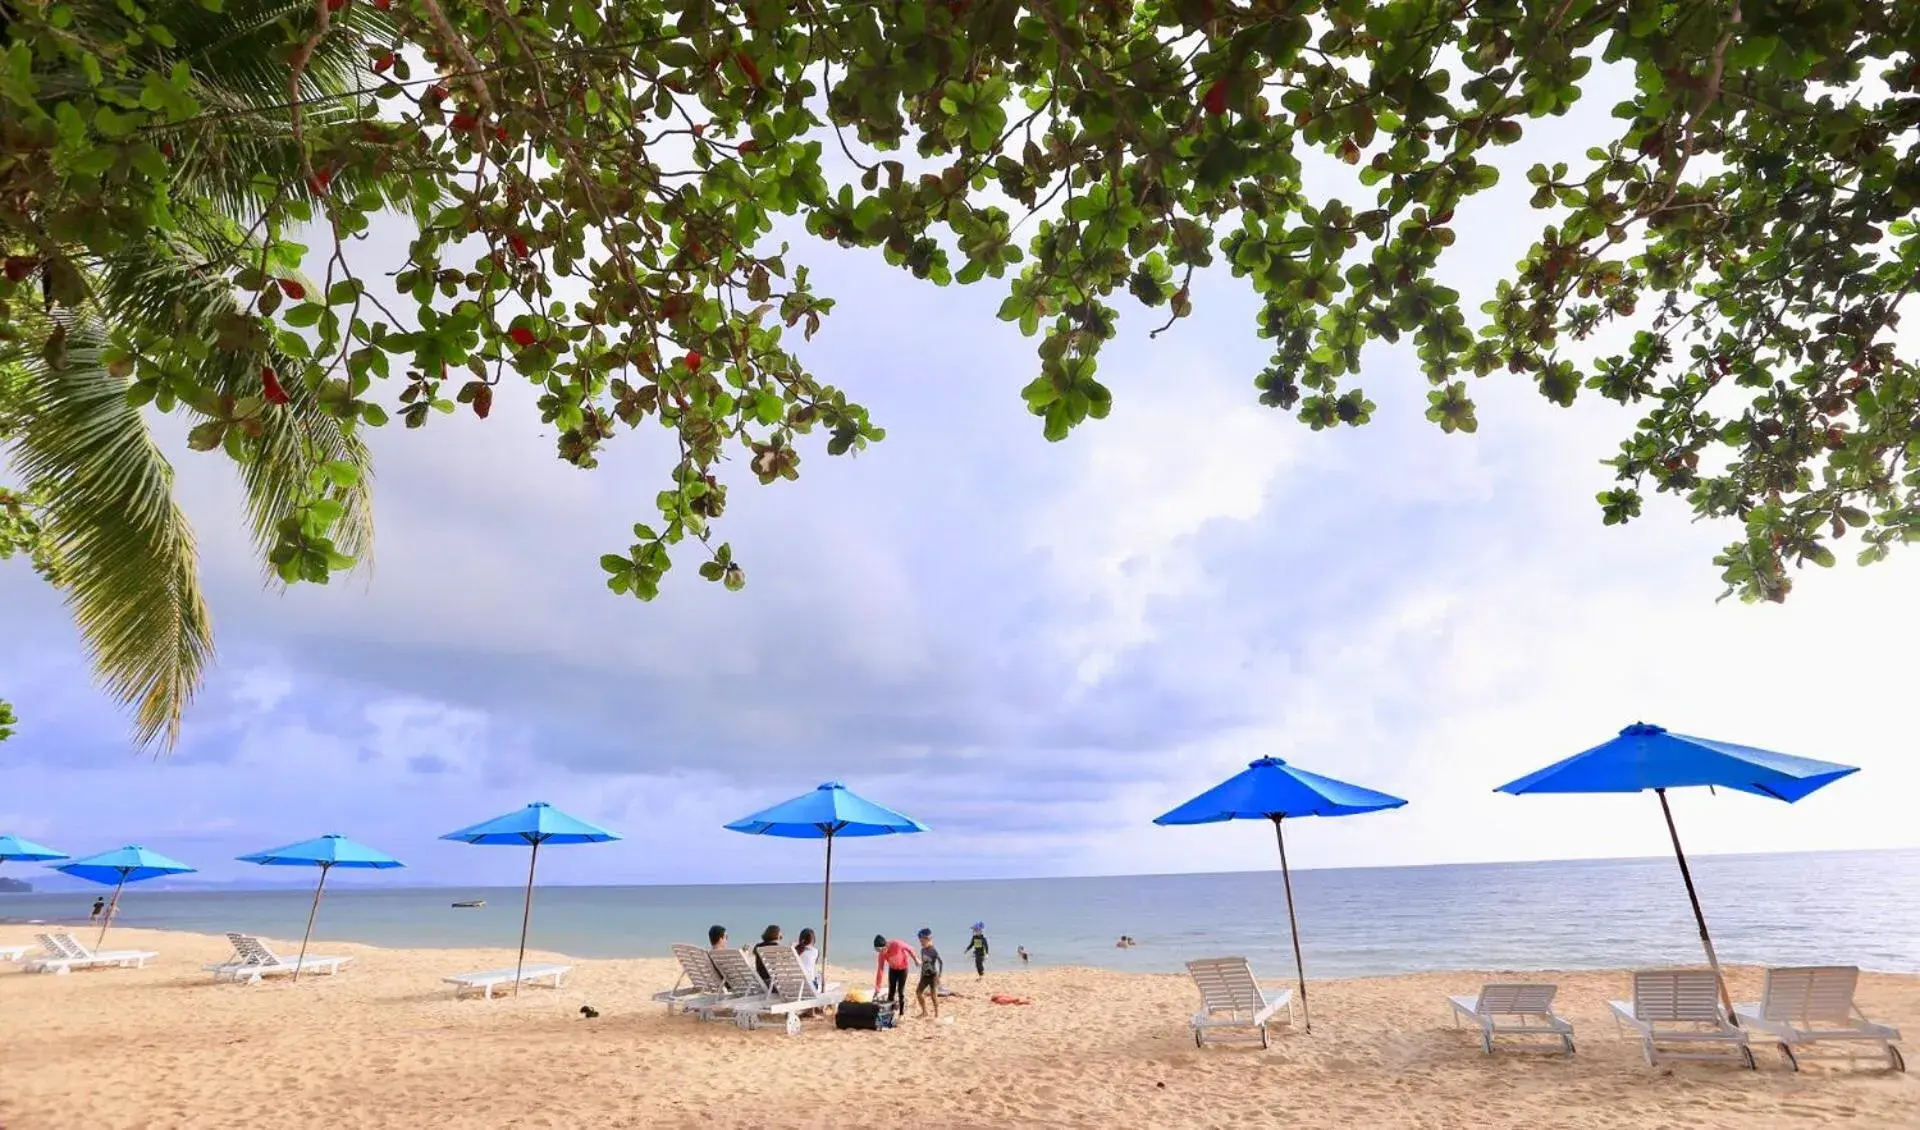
[486,983]
[1808,1005]
[1513,1010]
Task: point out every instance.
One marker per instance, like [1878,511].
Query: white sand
[385,1045]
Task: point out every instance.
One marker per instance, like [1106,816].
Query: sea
[1854,908]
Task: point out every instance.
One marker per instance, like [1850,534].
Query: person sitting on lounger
[809,955]
[768,937]
[716,937]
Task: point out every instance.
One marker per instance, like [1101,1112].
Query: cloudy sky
[1033,647]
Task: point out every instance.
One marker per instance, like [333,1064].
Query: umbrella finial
[1642,730]
[830,786]
[1266,763]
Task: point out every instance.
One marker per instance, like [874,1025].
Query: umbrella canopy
[829,811]
[330,850]
[26,851]
[130,864]
[1270,789]
[326,852]
[536,824]
[1645,757]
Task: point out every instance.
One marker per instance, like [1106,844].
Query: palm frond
[125,555]
[160,283]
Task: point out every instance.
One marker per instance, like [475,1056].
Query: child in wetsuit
[930,968]
[977,946]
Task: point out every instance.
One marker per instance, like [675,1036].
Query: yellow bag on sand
[859,996]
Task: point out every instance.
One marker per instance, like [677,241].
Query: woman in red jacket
[892,958]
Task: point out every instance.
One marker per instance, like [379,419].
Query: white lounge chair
[63,953]
[254,959]
[1513,1010]
[789,991]
[14,953]
[1231,999]
[1814,1004]
[703,987]
[747,993]
[486,983]
[1680,1007]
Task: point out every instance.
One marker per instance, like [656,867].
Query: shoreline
[384,1044]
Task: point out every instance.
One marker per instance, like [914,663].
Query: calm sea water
[1860,908]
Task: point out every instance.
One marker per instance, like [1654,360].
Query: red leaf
[292,289]
[747,68]
[383,5]
[694,360]
[520,249]
[522,336]
[320,182]
[1216,97]
[438,92]
[483,401]
[336,5]
[20,266]
[464,121]
[381,64]
[500,133]
[270,386]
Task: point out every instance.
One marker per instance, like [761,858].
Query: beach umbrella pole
[1293,923]
[526,916]
[311,914]
[106,919]
[1686,876]
[826,909]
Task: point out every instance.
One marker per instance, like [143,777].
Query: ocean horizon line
[389,881]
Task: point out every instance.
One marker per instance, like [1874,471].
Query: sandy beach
[385,1045]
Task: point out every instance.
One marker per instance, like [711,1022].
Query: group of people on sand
[892,958]
[803,947]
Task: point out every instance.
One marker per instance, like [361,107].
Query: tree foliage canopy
[592,188]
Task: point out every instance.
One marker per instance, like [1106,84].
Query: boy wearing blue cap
[977,946]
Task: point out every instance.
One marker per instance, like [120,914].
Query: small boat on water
[470,905]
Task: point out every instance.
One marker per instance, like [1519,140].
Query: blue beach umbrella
[326,853]
[1270,789]
[130,864]
[1652,757]
[536,824]
[828,811]
[26,851]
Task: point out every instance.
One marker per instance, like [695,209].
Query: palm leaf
[160,281]
[124,552]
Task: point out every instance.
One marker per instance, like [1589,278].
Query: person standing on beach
[99,905]
[892,958]
[930,969]
[1025,957]
[977,946]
